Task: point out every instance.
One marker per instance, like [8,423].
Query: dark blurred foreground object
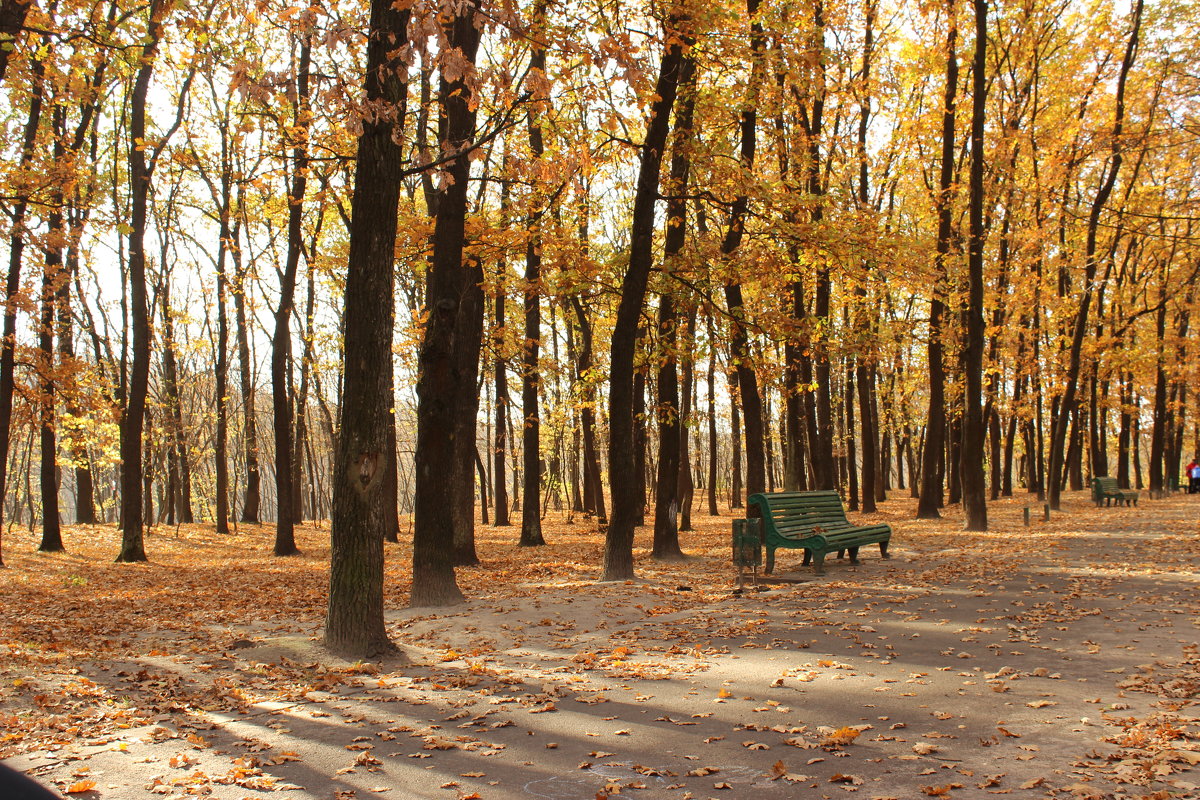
[18,786]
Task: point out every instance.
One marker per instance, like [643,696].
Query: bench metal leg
[770,561]
[853,555]
[819,563]
[883,553]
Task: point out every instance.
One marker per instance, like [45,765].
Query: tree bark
[670,422]
[935,427]
[752,409]
[618,546]
[1058,434]
[140,173]
[443,388]
[500,473]
[354,624]
[281,340]
[974,424]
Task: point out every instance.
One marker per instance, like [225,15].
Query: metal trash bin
[747,549]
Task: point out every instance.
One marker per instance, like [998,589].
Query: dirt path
[1058,660]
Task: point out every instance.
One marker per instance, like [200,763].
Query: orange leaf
[81,786]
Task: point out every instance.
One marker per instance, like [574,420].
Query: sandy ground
[1056,660]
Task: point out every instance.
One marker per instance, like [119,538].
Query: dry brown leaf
[842,736]
[853,780]
[81,786]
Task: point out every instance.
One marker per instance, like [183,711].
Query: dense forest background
[645,258]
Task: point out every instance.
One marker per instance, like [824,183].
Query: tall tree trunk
[140,172]
[177,457]
[531,508]
[47,382]
[252,500]
[974,424]
[499,472]
[751,400]
[354,623]
[935,426]
[85,492]
[712,419]
[1058,434]
[671,432]
[687,485]
[735,441]
[444,387]
[618,546]
[281,340]
[13,283]
[221,376]
[306,367]
[866,360]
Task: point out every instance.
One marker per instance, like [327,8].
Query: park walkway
[1058,660]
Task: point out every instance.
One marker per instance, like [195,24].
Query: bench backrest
[1104,485]
[800,511]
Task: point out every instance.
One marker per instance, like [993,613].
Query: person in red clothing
[1193,475]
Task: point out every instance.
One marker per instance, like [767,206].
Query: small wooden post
[1026,516]
[1046,509]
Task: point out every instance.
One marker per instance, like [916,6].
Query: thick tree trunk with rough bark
[446,385]
[354,623]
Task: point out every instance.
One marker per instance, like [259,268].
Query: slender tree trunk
[306,366]
[252,500]
[85,493]
[13,283]
[618,548]
[687,485]
[671,433]
[531,509]
[974,425]
[221,377]
[500,473]
[751,400]
[1058,435]
[281,340]
[712,421]
[51,275]
[865,360]
[132,425]
[935,427]
[735,442]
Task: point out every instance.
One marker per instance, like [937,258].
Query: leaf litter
[1027,606]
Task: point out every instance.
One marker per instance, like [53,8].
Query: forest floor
[1056,660]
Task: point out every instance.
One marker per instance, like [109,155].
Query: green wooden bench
[1105,491]
[815,522]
